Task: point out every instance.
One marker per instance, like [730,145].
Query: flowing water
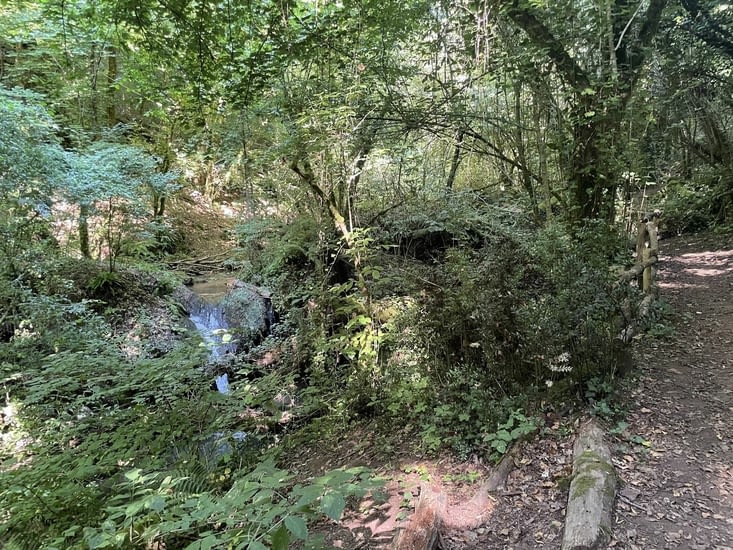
[207,314]
[208,317]
[214,330]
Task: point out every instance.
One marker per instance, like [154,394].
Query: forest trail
[676,488]
[674,459]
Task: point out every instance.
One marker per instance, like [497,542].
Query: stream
[230,316]
[208,317]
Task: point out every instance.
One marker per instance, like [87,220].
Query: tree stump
[433,514]
[423,530]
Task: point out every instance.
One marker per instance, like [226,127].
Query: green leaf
[297,527]
[155,503]
[133,508]
[333,505]
[308,494]
[133,475]
[281,539]
[256,545]
[503,435]
[209,542]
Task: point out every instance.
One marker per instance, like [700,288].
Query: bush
[508,313]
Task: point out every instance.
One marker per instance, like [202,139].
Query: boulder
[247,310]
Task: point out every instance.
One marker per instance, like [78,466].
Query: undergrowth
[104,450]
[469,316]
[455,324]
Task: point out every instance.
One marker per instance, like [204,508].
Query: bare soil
[673,451]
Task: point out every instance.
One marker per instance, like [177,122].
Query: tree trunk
[585,162]
[521,150]
[538,111]
[329,202]
[111,79]
[456,159]
[84,230]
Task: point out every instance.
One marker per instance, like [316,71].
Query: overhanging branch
[568,68]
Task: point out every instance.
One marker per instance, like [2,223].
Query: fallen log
[197,266]
[203,259]
[592,492]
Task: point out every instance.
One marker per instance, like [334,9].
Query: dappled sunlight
[700,265]
[14,438]
[707,264]
[708,272]
[248,265]
[465,505]
[675,285]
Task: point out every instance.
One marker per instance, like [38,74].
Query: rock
[247,309]
[187,298]
[592,492]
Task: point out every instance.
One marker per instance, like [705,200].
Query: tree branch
[648,30]
[568,68]
[706,29]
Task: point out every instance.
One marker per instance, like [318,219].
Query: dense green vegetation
[439,194]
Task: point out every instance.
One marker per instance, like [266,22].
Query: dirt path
[676,465]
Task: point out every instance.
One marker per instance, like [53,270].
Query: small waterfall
[211,302]
[222,384]
[210,322]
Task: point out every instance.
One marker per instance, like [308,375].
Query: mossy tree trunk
[598,96]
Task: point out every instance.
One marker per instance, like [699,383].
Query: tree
[31,169]
[599,87]
[114,181]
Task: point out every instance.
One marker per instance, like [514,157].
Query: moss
[581,485]
[588,463]
[591,459]
[563,483]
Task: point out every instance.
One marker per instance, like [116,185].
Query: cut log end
[433,515]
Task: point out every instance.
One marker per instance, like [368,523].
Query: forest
[423,208]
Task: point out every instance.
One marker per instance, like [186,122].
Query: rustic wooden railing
[647,255]
[644,271]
